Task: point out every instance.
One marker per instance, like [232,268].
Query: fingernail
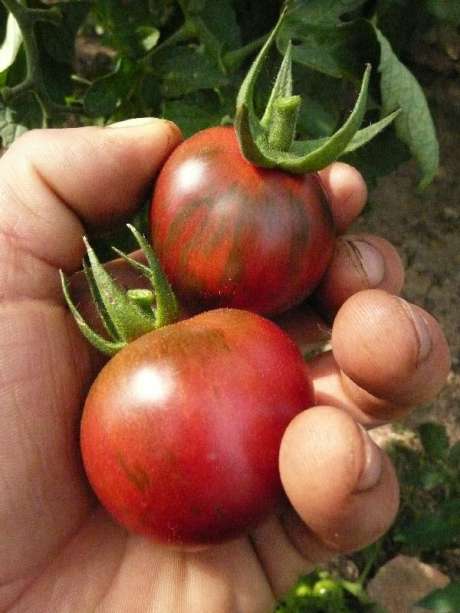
[422,332]
[372,469]
[134,122]
[370,261]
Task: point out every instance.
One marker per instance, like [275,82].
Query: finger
[342,487]
[362,261]
[347,193]
[56,181]
[388,356]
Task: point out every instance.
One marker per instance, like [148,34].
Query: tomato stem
[144,298]
[269,141]
[283,122]
[125,314]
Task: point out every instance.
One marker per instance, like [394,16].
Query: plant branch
[34,80]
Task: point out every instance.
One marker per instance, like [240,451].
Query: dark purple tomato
[231,234]
[181,429]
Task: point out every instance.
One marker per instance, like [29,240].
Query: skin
[59,551]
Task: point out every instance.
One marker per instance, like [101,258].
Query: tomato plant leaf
[338,51]
[186,69]
[323,11]
[196,111]
[60,42]
[444,600]
[149,37]
[104,94]
[414,125]
[217,28]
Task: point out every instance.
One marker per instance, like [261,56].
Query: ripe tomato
[181,429]
[231,234]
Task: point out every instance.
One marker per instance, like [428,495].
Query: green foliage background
[75,62]
[185,59]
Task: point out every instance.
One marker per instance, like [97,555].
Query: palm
[57,533]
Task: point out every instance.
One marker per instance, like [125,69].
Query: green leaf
[323,11]
[59,42]
[444,600]
[104,94]
[186,69]
[120,25]
[11,44]
[434,439]
[148,36]
[337,51]
[217,28]
[414,125]
[196,112]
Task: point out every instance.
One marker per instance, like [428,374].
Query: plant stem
[34,81]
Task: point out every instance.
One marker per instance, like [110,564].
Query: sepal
[125,314]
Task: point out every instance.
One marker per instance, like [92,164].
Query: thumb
[55,181]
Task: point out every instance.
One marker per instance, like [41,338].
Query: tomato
[181,429]
[229,233]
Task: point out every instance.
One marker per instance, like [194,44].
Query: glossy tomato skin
[230,234]
[181,430]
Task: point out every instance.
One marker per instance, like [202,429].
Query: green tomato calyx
[125,314]
[269,141]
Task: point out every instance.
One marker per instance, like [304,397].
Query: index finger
[56,181]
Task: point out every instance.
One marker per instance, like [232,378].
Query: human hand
[58,549]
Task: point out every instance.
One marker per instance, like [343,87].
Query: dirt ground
[425,228]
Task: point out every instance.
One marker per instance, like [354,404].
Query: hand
[58,549]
